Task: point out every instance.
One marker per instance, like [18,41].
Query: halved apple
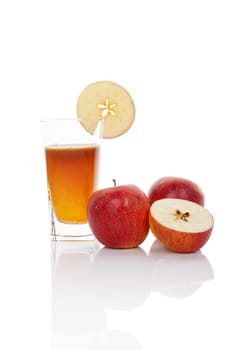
[181,225]
[107,103]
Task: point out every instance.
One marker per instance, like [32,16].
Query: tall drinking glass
[72,164]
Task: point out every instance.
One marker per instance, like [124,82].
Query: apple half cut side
[181,225]
[107,103]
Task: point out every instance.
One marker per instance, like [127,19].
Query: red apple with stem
[119,216]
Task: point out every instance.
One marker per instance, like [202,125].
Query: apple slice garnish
[181,225]
[107,103]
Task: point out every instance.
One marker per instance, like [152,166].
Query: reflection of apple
[118,216]
[114,340]
[175,187]
[181,225]
[178,275]
[121,277]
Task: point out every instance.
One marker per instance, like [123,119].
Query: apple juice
[72,178]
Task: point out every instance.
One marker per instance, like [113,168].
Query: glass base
[70,232]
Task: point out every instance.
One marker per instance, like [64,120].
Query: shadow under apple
[121,277]
[178,275]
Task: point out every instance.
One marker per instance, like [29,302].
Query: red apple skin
[119,216]
[180,242]
[176,187]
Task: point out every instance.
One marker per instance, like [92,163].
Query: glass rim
[65,129]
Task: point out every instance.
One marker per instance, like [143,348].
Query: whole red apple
[176,187]
[119,216]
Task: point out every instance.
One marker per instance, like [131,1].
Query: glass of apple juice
[72,165]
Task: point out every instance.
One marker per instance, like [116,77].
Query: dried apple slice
[108,103]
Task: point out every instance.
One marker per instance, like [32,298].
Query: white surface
[175,58]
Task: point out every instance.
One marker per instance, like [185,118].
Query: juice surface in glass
[71,174]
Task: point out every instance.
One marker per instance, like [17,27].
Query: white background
[175,58]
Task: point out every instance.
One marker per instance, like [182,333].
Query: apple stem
[114,182]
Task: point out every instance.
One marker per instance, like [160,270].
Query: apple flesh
[119,216]
[176,187]
[108,104]
[182,226]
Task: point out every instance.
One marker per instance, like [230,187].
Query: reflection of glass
[178,275]
[74,310]
[121,278]
[85,281]
[72,157]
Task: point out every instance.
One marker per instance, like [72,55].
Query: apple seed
[182,216]
[107,108]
